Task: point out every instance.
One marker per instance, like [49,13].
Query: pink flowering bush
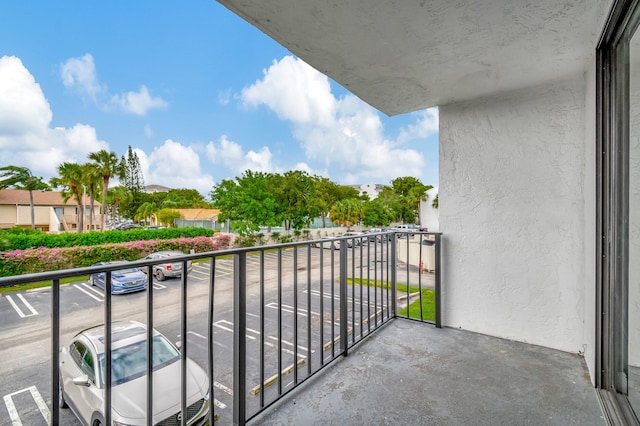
[43,259]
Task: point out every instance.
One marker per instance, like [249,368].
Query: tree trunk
[33,213]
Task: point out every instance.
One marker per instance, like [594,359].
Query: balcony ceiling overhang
[402,56]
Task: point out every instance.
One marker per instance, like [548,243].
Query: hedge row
[44,259]
[25,240]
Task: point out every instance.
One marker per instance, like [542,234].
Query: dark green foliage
[28,238]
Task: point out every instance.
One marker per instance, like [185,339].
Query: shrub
[24,240]
[43,259]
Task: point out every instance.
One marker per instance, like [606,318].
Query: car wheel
[62,402]
[159,275]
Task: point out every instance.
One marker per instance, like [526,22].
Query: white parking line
[218,324]
[13,412]
[89,290]
[289,309]
[18,310]
[158,286]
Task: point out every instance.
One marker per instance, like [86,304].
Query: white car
[357,240]
[82,382]
[170,269]
[327,243]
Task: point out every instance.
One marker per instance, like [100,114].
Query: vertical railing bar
[309,310]
[375,247]
[438,284]
[261,328]
[212,378]
[321,304]
[279,321]
[375,287]
[394,264]
[295,315]
[388,287]
[333,317]
[353,289]
[420,269]
[55,351]
[408,283]
[361,284]
[183,349]
[107,347]
[344,324]
[149,345]
[239,338]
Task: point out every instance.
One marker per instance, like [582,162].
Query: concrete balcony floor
[409,373]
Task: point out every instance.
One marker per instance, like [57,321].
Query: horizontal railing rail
[290,310]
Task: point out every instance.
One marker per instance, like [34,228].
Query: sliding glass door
[618,310]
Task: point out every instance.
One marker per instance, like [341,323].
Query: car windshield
[130,362]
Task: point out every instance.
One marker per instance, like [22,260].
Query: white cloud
[80,73]
[176,166]
[147,131]
[138,103]
[231,155]
[26,138]
[344,134]
[428,122]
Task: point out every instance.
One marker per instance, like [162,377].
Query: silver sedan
[82,378]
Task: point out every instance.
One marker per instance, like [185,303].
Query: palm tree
[117,196]
[21,178]
[70,180]
[110,166]
[92,180]
[146,211]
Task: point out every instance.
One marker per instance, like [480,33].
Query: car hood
[129,276]
[129,399]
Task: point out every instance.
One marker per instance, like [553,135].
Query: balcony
[343,331]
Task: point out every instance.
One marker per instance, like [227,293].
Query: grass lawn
[29,286]
[428,298]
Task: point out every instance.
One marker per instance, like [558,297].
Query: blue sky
[200,94]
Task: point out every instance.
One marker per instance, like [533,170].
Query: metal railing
[291,310]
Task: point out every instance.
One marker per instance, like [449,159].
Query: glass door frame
[612,209]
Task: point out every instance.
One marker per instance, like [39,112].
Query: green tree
[167,216]
[296,195]
[134,181]
[248,202]
[109,165]
[411,192]
[328,193]
[92,181]
[347,212]
[21,178]
[377,213]
[70,180]
[116,197]
[146,211]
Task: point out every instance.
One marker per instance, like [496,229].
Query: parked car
[377,238]
[127,226]
[327,243]
[82,378]
[171,269]
[125,280]
[354,241]
[404,230]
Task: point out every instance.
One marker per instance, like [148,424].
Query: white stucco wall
[515,172]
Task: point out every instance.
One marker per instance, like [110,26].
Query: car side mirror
[179,345]
[81,380]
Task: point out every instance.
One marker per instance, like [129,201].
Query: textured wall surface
[512,208]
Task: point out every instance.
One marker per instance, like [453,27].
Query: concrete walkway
[410,373]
